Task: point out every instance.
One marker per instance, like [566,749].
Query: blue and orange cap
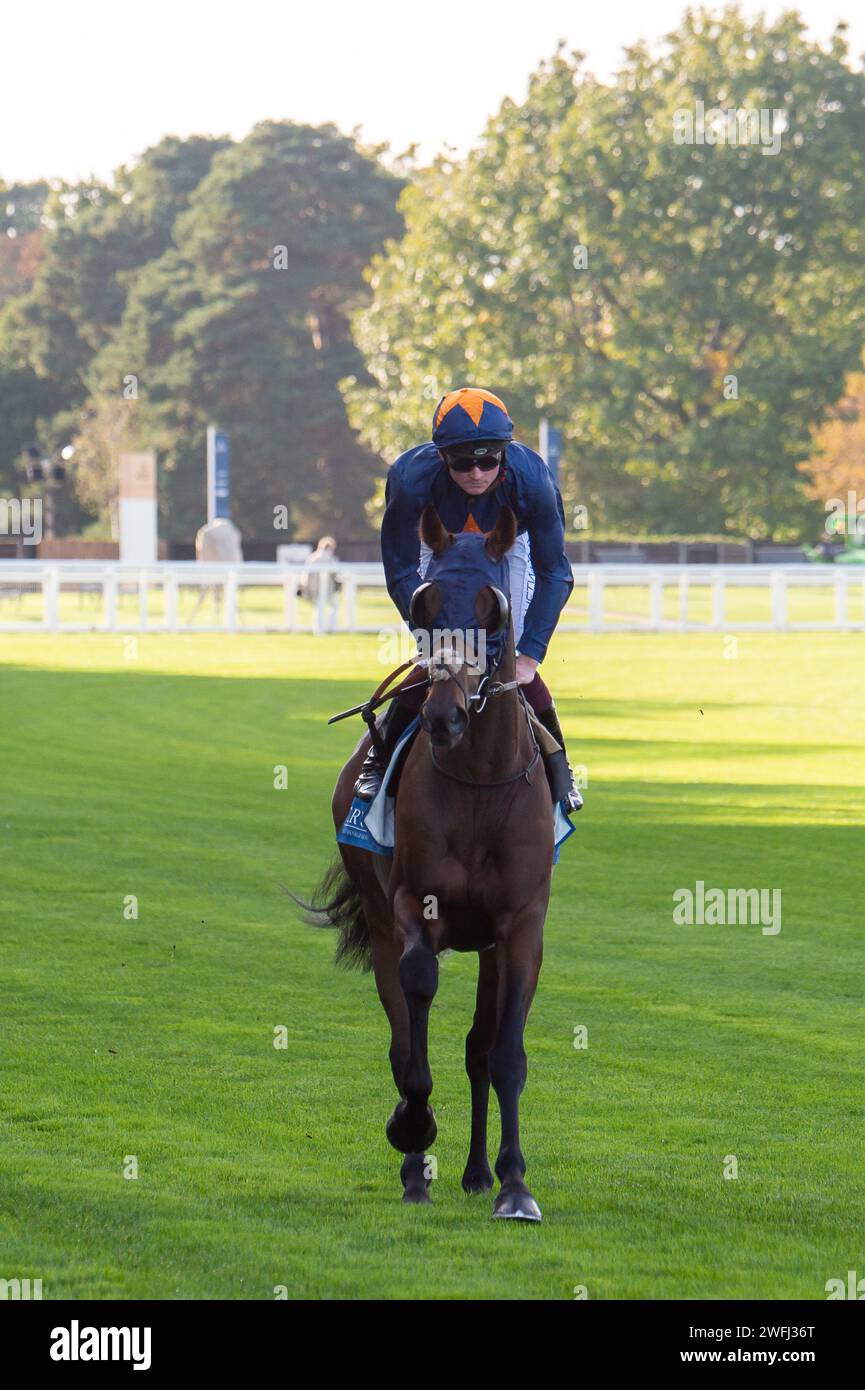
[470,414]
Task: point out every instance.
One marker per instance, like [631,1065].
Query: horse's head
[463,612]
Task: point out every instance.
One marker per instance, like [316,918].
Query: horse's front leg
[477,1176]
[412,1127]
[385,958]
[519,949]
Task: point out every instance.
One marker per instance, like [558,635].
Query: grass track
[152,775]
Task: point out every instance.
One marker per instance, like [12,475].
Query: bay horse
[471,868]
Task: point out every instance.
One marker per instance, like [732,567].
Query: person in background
[310,582]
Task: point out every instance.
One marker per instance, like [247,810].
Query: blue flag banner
[550,445]
[218,474]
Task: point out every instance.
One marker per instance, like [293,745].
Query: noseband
[440,669]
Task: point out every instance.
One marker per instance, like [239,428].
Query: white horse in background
[218,542]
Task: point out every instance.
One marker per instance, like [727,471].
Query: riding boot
[391,726]
[559,770]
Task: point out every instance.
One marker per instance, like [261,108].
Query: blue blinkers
[460,572]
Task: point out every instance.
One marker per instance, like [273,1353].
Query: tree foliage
[211,281]
[686,311]
[837,464]
[245,322]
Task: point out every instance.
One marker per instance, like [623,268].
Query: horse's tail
[336,903]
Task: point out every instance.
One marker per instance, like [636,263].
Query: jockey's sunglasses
[465,463]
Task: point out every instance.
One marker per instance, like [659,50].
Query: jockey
[471,469]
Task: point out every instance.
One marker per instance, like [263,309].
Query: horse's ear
[432,531]
[503,534]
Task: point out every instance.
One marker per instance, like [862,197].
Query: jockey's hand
[526,668]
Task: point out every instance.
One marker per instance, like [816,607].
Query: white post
[230,612]
[321,614]
[289,596]
[718,602]
[171,600]
[350,591]
[109,600]
[683,600]
[595,584]
[841,592]
[51,600]
[142,600]
[656,603]
[137,508]
[779,600]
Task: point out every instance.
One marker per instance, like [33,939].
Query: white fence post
[718,603]
[51,599]
[170,592]
[322,616]
[595,585]
[109,600]
[289,602]
[656,602]
[230,600]
[779,600]
[842,590]
[350,591]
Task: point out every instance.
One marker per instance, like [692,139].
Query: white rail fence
[85,596]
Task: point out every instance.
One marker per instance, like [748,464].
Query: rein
[367,709]
[488,689]
[503,782]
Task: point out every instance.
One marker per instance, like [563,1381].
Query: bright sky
[88,84]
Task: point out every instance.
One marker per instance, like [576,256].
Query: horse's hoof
[477,1180]
[517,1204]
[404,1136]
[417,1196]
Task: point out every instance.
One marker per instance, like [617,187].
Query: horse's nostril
[445,726]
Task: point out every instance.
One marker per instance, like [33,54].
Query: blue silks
[419,477]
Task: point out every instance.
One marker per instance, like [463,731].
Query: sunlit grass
[145,768]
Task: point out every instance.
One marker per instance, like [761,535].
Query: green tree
[98,235]
[685,310]
[64,265]
[25,398]
[21,236]
[245,322]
